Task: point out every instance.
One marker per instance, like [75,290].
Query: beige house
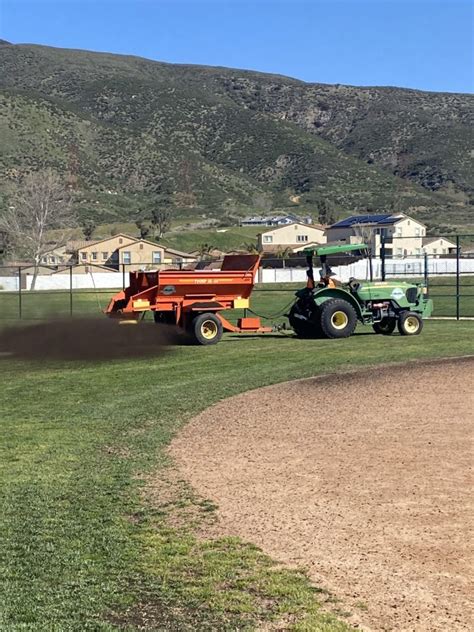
[290,236]
[136,254]
[142,254]
[57,256]
[438,246]
[403,235]
[103,251]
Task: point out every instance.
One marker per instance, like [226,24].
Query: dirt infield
[362,479]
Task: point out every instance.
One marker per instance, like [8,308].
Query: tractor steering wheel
[354,284]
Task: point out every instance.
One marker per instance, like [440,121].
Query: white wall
[98,280]
[359,270]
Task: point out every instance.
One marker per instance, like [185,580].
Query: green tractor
[326,310]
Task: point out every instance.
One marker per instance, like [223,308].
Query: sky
[425,44]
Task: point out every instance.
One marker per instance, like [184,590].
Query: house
[255,220]
[135,253]
[290,236]
[56,256]
[403,235]
[276,220]
[103,251]
[438,246]
[142,253]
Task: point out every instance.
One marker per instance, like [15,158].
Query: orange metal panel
[249,323]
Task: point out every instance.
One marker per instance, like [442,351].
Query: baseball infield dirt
[362,479]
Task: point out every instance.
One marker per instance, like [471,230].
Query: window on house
[120,240]
[94,256]
[267,239]
[84,256]
[417,232]
[301,238]
[435,251]
[398,232]
[141,246]
[52,259]
[418,251]
[105,256]
[156,256]
[126,256]
[399,252]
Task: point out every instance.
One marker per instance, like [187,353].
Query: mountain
[128,132]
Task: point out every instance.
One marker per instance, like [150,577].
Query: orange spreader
[178,296]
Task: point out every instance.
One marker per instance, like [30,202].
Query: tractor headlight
[424,290]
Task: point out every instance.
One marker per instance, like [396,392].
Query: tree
[204,251]
[88,228]
[160,220]
[250,247]
[144,228]
[326,214]
[39,217]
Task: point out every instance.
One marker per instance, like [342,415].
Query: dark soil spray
[85,339]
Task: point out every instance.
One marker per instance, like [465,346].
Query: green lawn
[83,549]
[267,298]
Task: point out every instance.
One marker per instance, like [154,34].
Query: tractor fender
[334,292]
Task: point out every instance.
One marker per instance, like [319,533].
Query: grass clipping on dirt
[84,548]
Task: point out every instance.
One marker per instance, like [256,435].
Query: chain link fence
[61,291]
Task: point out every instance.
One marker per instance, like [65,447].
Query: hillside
[129,131]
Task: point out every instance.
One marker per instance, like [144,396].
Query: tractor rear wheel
[206,329]
[338,318]
[386,326]
[409,324]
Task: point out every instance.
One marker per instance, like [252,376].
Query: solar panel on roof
[362,219]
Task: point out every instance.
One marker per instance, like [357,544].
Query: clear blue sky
[425,44]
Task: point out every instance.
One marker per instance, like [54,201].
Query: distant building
[403,235]
[290,236]
[134,253]
[438,246]
[275,220]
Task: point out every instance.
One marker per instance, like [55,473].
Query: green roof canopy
[334,249]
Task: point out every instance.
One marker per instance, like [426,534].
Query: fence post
[382,256]
[425,268]
[70,291]
[123,276]
[458,267]
[19,294]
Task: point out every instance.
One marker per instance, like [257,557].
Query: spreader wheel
[338,318]
[410,324]
[386,326]
[206,329]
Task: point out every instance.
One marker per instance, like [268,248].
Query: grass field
[83,548]
[267,298]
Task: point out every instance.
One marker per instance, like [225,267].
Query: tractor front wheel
[386,326]
[409,324]
[338,318]
[303,327]
[206,329]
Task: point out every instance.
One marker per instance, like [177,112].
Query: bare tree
[39,218]
[161,220]
[144,228]
[88,228]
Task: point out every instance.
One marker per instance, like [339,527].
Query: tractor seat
[353,284]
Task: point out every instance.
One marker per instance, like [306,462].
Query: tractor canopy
[334,249]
